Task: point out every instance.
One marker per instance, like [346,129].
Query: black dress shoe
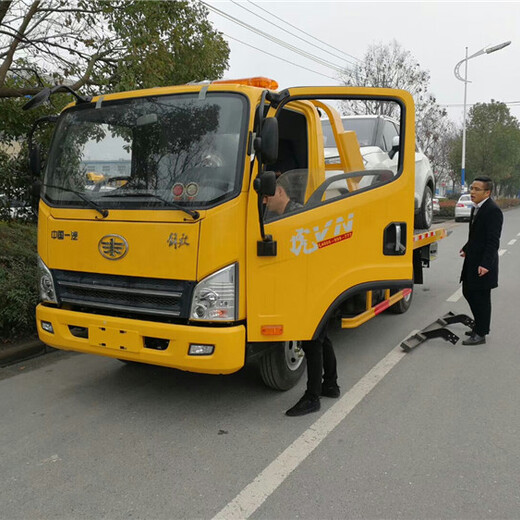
[330,390]
[475,340]
[307,404]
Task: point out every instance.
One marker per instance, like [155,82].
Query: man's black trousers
[480,303]
[321,361]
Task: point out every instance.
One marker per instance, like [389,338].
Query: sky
[435,33]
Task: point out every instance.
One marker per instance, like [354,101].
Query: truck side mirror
[265,184]
[35,160]
[267,142]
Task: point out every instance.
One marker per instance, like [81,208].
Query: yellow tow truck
[181,265]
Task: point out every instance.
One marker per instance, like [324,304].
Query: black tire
[424,219]
[282,366]
[402,305]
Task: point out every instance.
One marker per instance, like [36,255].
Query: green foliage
[108,45]
[492,147]
[105,46]
[18,280]
[165,43]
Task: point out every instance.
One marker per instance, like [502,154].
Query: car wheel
[425,217]
[282,366]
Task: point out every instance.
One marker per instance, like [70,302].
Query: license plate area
[115,339]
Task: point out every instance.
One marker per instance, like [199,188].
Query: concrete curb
[16,352]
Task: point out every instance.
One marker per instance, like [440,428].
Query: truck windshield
[156,152]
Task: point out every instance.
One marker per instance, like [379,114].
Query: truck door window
[351,128]
[290,167]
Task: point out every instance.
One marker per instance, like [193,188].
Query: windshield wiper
[91,203]
[191,212]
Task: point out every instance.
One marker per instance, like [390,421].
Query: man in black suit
[480,270]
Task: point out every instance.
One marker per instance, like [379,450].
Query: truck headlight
[216,297]
[47,291]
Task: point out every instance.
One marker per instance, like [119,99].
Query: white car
[463,208]
[378,137]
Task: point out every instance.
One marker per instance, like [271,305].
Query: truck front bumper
[137,340]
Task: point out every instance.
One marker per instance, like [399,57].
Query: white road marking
[502,251]
[518,235]
[255,494]
[511,242]
[456,296]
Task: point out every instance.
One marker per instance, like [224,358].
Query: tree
[112,45]
[391,66]
[96,46]
[492,146]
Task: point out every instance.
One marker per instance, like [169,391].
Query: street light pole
[463,162]
[485,50]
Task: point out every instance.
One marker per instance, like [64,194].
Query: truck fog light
[201,350]
[47,326]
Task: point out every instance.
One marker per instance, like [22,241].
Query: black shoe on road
[307,404]
[475,340]
[330,390]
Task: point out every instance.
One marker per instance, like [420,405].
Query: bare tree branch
[4,7]
[20,33]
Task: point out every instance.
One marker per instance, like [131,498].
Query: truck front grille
[125,294]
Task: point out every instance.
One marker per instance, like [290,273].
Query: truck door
[344,230]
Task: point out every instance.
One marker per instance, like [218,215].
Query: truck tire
[424,219]
[402,305]
[282,366]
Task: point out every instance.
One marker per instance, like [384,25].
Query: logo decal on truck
[178,240]
[304,241]
[113,247]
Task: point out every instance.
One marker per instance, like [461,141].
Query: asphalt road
[430,434]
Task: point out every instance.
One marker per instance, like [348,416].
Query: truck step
[438,329]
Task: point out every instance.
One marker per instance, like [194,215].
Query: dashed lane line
[261,488]
[502,251]
[511,242]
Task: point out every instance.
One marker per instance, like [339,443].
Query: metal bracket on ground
[437,329]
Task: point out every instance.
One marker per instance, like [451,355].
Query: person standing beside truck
[319,352]
[480,269]
[321,362]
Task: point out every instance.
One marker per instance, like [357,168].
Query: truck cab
[173,258]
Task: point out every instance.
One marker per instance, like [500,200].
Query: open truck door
[346,231]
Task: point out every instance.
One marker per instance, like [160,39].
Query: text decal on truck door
[342,231]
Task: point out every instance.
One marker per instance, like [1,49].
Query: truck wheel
[402,305]
[282,366]
[424,218]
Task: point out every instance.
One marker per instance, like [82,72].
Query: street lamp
[485,50]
